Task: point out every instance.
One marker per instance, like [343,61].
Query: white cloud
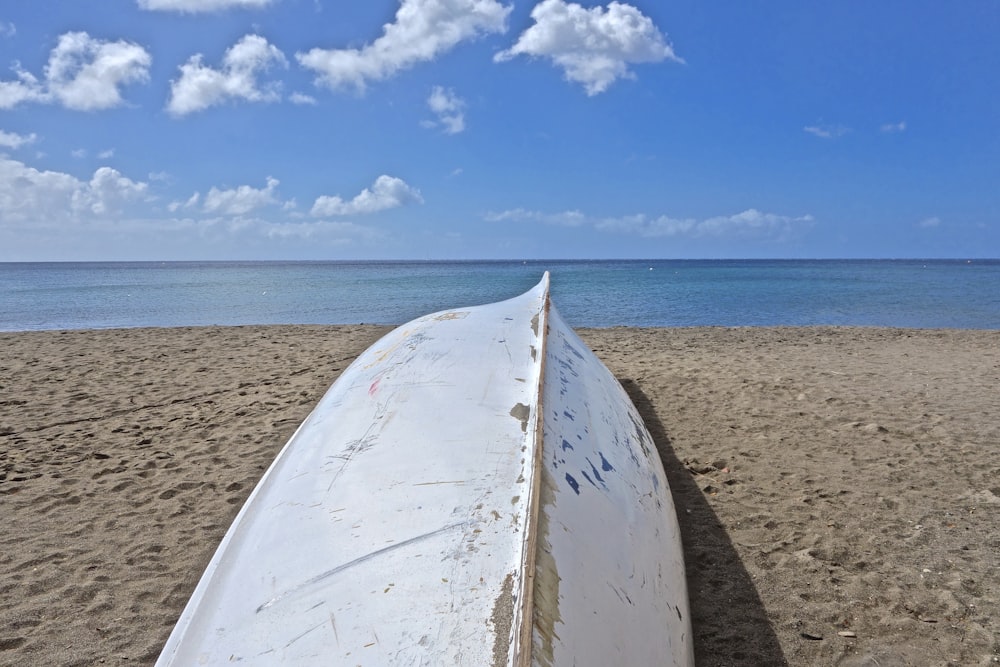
[79,153]
[238,201]
[108,191]
[28,195]
[7,29]
[27,88]
[83,74]
[197,6]
[894,127]
[15,141]
[449,108]
[594,47]
[85,211]
[221,230]
[387,192]
[191,202]
[423,30]
[346,232]
[300,98]
[200,87]
[106,154]
[928,223]
[748,224]
[827,131]
[564,218]
[317,233]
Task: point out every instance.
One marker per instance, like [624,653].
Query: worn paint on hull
[476,489]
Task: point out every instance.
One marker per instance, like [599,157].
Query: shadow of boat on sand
[728,618]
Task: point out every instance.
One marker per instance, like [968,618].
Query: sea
[962,294]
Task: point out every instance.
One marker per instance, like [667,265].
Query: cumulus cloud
[201,6]
[422,30]
[826,131]
[7,29]
[593,47]
[108,191]
[748,224]
[238,201]
[387,192]
[83,74]
[200,86]
[26,88]
[33,196]
[894,127]
[449,108]
[15,141]
[27,194]
[928,223]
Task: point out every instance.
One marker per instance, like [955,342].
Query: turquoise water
[901,293]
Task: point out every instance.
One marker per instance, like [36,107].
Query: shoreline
[828,480]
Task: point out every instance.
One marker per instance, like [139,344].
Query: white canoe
[475,489]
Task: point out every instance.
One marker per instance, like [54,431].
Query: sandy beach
[838,488]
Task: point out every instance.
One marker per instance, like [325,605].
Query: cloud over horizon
[32,199]
[240,200]
[28,195]
[385,193]
[564,218]
[748,224]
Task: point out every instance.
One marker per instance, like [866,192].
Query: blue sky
[480,129]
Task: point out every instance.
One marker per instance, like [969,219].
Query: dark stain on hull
[596,473]
[575,485]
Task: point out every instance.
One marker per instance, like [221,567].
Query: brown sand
[838,489]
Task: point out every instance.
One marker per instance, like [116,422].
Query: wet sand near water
[838,488]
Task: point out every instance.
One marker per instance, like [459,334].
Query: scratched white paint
[384,530]
[610,587]
[393,527]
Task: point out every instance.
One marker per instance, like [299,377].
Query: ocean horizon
[911,293]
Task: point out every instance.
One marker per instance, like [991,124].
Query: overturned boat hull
[476,489]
